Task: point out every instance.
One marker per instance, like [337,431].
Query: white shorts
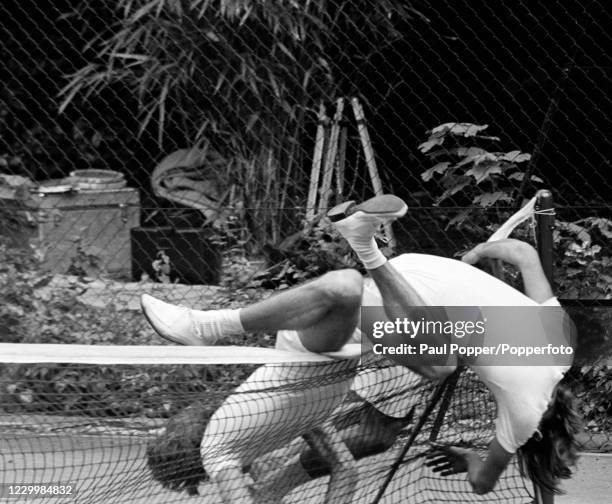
[274,405]
[389,389]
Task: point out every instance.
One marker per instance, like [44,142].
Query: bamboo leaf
[150,111]
[138,57]
[212,35]
[284,49]
[160,6]
[162,110]
[220,80]
[246,15]
[274,84]
[203,8]
[253,118]
[306,79]
[144,10]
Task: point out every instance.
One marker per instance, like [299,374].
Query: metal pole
[448,396]
[545,224]
[545,219]
[433,401]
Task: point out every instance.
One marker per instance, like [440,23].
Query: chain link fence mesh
[192,132]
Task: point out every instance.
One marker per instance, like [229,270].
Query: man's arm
[485,475]
[482,474]
[524,257]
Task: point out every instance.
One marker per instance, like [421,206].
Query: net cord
[29,353]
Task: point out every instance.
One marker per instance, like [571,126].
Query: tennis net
[138,432]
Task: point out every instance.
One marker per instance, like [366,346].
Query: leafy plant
[584,267]
[592,386]
[469,174]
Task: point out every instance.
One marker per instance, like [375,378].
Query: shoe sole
[386,206]
[167,338]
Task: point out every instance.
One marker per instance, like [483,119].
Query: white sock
[215,324]
[368,252]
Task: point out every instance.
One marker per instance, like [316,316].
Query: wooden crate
[97,221]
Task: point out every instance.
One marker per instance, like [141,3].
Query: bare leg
[325,311]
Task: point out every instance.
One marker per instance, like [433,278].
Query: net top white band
[526,212]
[25,353]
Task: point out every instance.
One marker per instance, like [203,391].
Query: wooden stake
[341,161]
[330,160]
[370,161]
[316,164]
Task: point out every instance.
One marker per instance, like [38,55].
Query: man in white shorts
[535,416]
[273,405]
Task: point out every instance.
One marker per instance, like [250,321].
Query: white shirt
[522,392]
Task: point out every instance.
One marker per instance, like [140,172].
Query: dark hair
[174,456]
[548,455]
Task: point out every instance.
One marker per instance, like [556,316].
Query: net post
[435,398]
[545,223]
[448,395]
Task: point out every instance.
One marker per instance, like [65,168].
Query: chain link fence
[201,142]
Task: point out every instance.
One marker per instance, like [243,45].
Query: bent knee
[343,288]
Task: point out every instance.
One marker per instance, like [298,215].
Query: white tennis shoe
[173,322]
[359,223]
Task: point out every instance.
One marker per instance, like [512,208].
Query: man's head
[552,451]
[174,456]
